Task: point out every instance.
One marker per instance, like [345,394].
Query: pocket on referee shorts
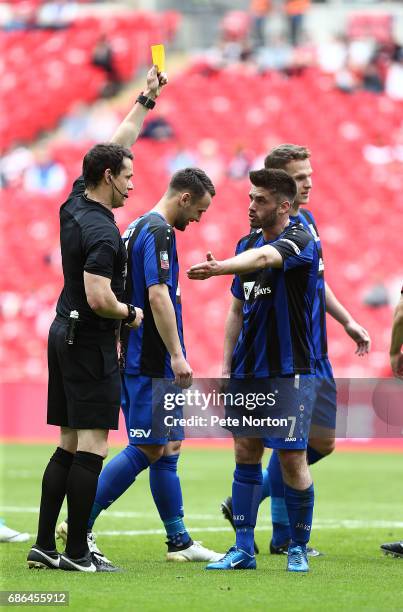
[90,362]
[110,359]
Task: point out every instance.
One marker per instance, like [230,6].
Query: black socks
[53,491]
[81,489]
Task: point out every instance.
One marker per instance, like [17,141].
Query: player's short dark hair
[280,156]
[193,180]
[278,182]
[101,157]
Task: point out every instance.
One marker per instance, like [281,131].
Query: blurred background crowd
[244,76]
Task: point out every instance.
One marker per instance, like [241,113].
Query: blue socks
[166,491]
[246,497]
[121,472]
[279,514]
[300,511]
[265,485]
[280,519]
[116,478]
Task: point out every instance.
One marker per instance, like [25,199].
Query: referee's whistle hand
[138,320]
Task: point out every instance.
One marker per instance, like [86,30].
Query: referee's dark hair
[278,182]
[193,180]
[100,158]
[280,156]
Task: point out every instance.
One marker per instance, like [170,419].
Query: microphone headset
[125,195]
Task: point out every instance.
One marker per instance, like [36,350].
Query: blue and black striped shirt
[276,337]
[152,259]
[319,304]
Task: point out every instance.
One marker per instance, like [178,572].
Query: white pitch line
[319,524]
[112,513]
[340,525]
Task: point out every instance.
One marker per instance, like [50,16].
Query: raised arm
[352,328]
[396,355]
[129,130]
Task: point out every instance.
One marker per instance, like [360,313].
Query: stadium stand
[58,57]
[355,203]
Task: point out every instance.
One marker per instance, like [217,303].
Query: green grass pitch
[359,505]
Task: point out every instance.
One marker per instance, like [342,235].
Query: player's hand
[155,82]
[201,271]
[182,371]
[138,320]
[360,337]
[396,362]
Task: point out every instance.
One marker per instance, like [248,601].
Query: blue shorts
[278,410]
[297,400]
[324,410]
[142,406]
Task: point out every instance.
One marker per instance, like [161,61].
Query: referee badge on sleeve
[164,260]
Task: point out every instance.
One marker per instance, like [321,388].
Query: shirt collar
[103,208]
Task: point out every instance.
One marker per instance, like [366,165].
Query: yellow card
[158,53]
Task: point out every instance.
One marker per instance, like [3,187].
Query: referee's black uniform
[84,381]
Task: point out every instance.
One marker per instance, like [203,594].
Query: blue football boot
[234,559]
[297,559]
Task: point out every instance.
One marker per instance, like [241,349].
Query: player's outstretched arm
[233,326]
[396,355]
[129,130]
[358,333]
[249,261]
[165,322]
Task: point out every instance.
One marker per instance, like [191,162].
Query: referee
[84,380]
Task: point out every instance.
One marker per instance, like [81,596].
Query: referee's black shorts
[84,380]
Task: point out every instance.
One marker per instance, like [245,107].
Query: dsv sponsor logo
[140,433]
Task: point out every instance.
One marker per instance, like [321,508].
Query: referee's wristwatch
[131,316]
[145,101]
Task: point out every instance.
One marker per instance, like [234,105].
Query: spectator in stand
[240,164]
[210,160]
[394,75]
[13,165]
[158,128]
[296,10]
[103,121]
[182,158]
[377,295]
[259,10]
[74,126]
[103,57]
[372,78]
[57,14]
[276,56]
[332,54]
[45,175]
